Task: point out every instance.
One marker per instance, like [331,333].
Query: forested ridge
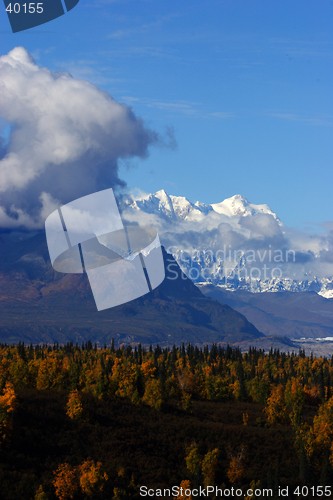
[78,422]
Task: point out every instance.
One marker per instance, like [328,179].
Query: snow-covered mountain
[236,244]
[180,208]
[239,205]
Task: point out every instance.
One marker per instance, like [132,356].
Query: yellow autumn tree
[276,409]
[74,405]
[8,402]
[187,402]
[236,467]
[8,398]
[209,466]
[186,381]
[40,494]
[192,459]
[66,482]
[319,436]
[148,369]
[19,371]
[253,486]
[92,479]
[294,397]
[4,368]
[123,377]
[153,394]
[49,373]
[184,490]
[323,424]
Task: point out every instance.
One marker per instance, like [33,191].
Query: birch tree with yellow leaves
[8,403]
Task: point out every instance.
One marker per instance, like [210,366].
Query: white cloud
[222,114]
[137,193]
[16,217]
[315,120]
[66,139]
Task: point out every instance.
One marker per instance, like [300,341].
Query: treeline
[268,391]
[157,375]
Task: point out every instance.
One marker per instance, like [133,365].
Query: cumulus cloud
[327,255]
[261,225]
[66,139]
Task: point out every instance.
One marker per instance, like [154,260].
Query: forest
[81,422]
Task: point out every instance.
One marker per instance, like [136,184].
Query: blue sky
[245,86]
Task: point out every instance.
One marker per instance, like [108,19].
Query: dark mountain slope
[37,304]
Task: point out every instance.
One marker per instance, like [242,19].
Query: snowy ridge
[172,207]
[275,285]
[180,208]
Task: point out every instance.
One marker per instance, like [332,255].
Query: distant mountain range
[236,244]
[290,314]
[37,304]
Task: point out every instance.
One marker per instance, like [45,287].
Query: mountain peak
[236,205]
[240,206]
[239,198]
[160,194]
[155,203]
